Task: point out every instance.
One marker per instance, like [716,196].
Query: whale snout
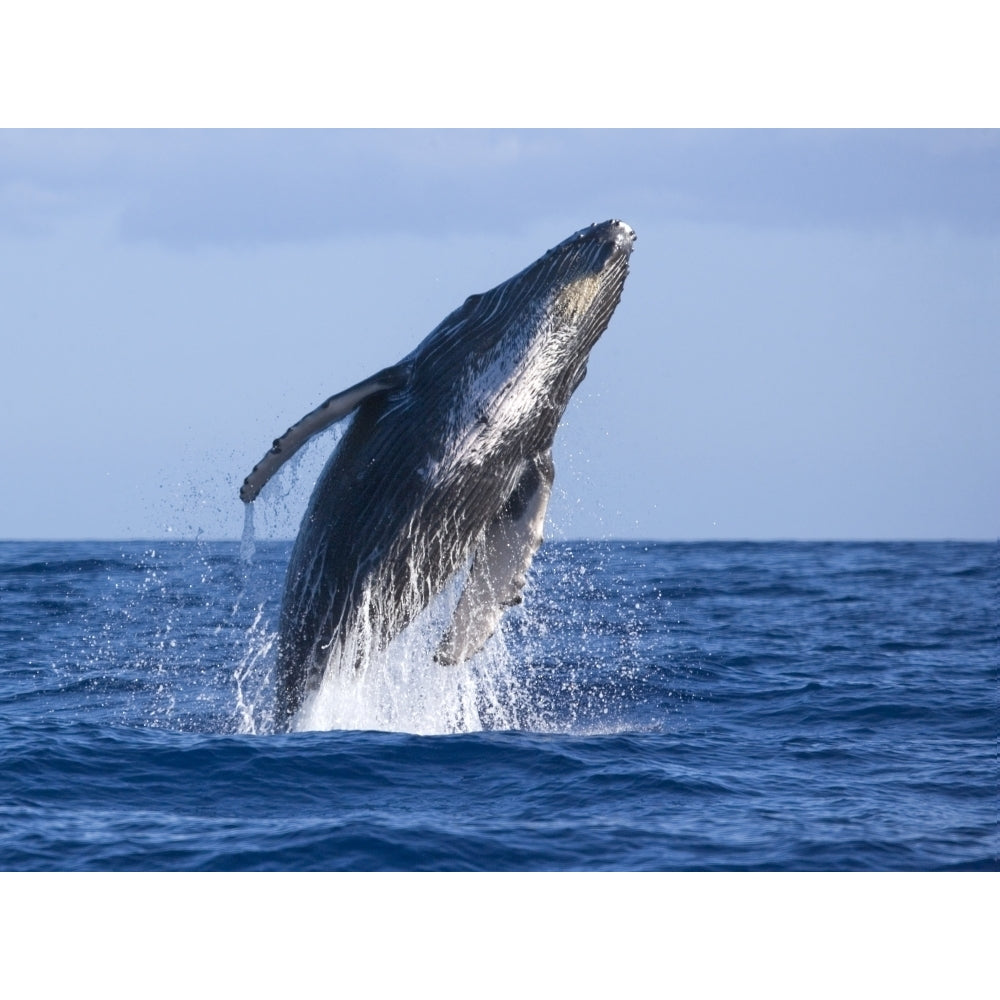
[621,234]
[624,234]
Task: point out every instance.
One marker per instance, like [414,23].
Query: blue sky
[807,346]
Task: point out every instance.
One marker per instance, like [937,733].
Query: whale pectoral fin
[500,564]
[327,413]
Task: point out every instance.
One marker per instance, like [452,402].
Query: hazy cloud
[192,188]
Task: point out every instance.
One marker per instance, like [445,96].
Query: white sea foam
[403,689]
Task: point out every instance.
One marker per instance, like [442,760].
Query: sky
[808,344]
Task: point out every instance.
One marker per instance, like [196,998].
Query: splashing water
[253,678]
[403,689]
[184,637]
[547,668]
[397,689]
[248,543]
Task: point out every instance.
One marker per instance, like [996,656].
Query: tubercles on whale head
[618,232]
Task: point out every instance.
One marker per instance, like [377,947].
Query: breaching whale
[445,467]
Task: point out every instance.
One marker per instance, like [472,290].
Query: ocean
[651,706]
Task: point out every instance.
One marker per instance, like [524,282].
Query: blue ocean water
[652,706]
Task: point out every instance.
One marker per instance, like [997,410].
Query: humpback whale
[445,468]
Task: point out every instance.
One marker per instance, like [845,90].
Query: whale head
[515,354]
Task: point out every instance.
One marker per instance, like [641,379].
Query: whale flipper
[329,412]
[500,564]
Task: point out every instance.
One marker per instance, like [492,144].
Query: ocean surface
[651,706]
